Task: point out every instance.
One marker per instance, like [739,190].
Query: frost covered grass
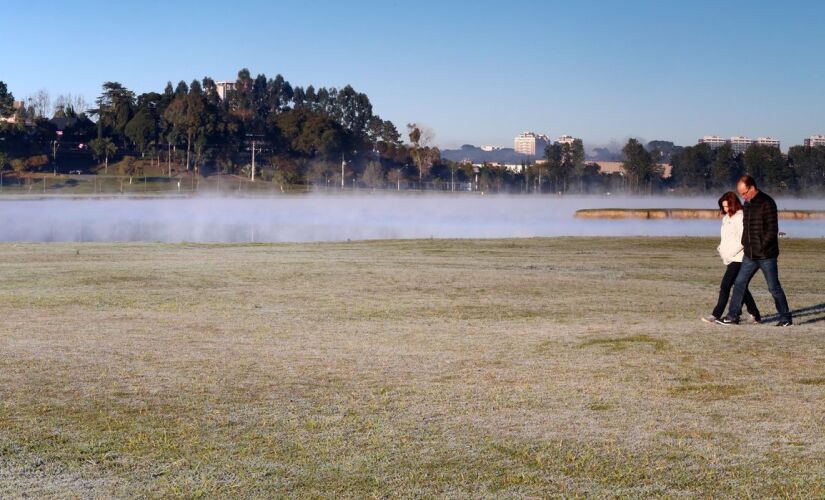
[523,367]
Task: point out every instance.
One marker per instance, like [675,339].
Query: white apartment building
[530,143]
[740,143]
[714,141]
[767,141]
[223,88]
[566,139]
[815,140]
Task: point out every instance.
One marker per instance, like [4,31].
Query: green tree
[6,101]
[640,165]
[809,165]
[309,133]
[726,167]
[187,116]
[115,107]
[131,167]
[577,162]
[142,130]
[768,166]
[691,166]
[555,164]
[103,148]
[666,148]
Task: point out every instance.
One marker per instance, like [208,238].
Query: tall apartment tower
[566,139]
[740,143]
[767,141]
[815,140]
[530,143]
[714,141]
[223,88]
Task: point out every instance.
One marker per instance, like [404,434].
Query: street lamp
[343,164]
[54,151]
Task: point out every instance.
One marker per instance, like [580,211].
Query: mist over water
[352,217]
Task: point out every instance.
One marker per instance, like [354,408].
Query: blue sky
[475,72]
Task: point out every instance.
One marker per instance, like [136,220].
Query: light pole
[343,164]
[452,178]
[54,150]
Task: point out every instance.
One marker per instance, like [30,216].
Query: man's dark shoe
[727,320]
[784,322]
[756,320]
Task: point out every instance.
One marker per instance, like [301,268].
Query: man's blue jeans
[743,279]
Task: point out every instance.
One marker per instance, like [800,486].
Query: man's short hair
[748,181]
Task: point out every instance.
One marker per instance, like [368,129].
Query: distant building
[529,143]
[617,167]
[740,143]
[566,139]
[490,148]
[767,141]
[513,167]
[223,88]
[714,141]
[19,113]
[815,140]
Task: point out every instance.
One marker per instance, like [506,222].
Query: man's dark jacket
[760,228]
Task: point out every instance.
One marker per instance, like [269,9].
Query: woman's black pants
[724,293]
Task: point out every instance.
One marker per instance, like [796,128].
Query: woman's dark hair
[733,203]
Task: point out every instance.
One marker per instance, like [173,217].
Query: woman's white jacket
[730,248]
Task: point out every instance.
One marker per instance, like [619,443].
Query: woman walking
[731,250]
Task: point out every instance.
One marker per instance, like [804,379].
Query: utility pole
[254,138]
[169,158]
[252,177]
[343,164]
[54,156]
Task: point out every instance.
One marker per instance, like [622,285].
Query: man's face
[745,192]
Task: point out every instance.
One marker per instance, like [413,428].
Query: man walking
[760,237]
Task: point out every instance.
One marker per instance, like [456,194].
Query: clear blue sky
[475,72]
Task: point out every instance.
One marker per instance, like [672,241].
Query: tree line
[303,136]
[701,168]
[296,131]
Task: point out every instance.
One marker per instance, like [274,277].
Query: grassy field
[539,367]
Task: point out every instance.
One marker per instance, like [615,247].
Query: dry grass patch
[622,343]
[708,392]
[811,381]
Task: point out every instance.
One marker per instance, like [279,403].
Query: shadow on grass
[812,314]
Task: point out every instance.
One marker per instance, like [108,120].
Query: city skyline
[475,73]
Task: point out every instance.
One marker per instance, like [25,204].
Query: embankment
[681,213]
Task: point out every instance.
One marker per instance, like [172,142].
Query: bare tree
[423,154]
[40,104]
[373,175]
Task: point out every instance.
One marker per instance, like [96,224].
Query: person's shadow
[811,314]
